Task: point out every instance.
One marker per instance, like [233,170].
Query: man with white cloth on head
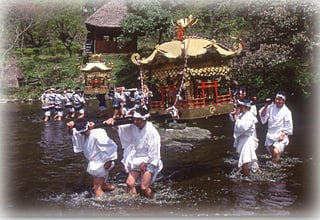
[141,156]
[245,138]
[98,148]
[280,125]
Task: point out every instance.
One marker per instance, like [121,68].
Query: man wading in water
[245,137]
[98,148]
[280,125]
[141,156]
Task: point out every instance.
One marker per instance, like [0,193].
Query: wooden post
[172,89]
[215,84]
[163,94]
[203,86]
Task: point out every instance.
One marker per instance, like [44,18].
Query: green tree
[281,37]
[147,18]
[47,23]
[18,21]
[280,47]
[67,23]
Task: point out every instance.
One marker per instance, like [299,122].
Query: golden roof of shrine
[95,66]
[193,48]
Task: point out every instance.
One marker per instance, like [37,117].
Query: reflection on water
[54,142]
[267,191]
[198,181]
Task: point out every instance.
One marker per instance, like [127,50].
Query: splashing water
[270,172]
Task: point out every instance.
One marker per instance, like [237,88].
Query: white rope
[184,71]
[173,110]
[141,75]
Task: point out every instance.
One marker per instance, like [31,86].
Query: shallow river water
[43,177]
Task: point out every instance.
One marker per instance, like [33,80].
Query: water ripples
[253,194]
[199,178]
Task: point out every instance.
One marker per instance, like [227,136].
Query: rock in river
[183,139]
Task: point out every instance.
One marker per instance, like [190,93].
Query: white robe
[279,119]
[140,145]
[98,148]
[245,138]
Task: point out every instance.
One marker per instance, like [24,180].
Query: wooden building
[104,29]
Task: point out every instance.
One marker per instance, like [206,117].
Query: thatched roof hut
[107,19]
[104,28]
[11,74]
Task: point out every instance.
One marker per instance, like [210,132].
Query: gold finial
[96,56]
[183,24]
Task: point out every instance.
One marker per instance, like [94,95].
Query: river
[43,177]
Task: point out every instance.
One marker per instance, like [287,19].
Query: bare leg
[121,113]
[131,180]
[115,113]
[107,186]
[245,169]
[97,186]
[276,155]
[145,184]
[271,148]
[275,152]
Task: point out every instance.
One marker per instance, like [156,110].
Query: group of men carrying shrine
[56,102]
[141,142]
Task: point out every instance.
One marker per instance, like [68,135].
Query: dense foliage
[281,38]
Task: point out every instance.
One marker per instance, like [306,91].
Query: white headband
[247,104]
[138,115]
[281,96]
[84,129]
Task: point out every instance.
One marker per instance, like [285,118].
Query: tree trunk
[160,36]
[69,49]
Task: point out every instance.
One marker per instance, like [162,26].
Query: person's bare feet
[108,187]
[99,194]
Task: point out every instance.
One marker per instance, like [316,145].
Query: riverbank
[12,100]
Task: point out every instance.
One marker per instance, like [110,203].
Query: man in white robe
[280,125]
[141,157]
[99,150]
[245,138]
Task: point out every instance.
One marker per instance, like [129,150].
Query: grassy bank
[44,70]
